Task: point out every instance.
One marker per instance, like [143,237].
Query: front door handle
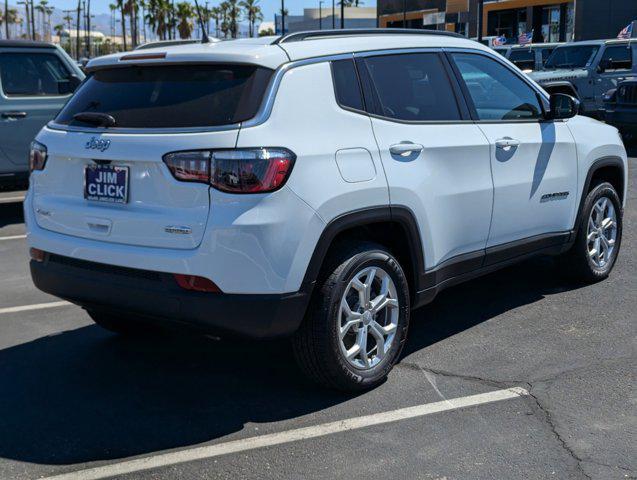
[14,114]
[404,149]
[507,143]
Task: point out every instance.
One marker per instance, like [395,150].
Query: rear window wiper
[95,118]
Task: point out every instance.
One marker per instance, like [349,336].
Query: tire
[580,261]
[319,348]
[118,323]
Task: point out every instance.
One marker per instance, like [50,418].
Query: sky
[269,7]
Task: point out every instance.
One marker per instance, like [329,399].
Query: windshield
[572,57]
[169,96]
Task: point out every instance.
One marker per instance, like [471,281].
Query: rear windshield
[170,96]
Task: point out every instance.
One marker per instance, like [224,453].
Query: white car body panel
[544,163]
[447,186]
[263,243]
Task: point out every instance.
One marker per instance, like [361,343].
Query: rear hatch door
[106,179]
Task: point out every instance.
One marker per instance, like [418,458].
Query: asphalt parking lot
[517,375]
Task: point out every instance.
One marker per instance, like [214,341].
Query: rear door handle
[14,114]
[507,143]
[404,149]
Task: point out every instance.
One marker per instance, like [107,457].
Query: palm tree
[59,29]
[217,16]
[253,12]
[112,7]
[233,17]
[184,15]
[6,19]
[122,10]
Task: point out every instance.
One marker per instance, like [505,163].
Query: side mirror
[563,106]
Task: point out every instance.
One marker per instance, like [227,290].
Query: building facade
[545,20]
[324,18]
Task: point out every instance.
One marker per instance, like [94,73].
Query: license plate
[106,183]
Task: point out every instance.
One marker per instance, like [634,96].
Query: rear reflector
[37,254]
[197,284]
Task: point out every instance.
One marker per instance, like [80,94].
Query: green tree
[184,13]
[253,13]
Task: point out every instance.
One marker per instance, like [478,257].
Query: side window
[497,93]
[546,53]
[33,74]
[617,58]
[412,87]
[346,85]
[523,59]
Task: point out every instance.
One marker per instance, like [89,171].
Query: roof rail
[354,32]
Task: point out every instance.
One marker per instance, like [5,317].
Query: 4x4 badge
[97,144]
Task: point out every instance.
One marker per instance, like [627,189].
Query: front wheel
[599,234]
[357,322]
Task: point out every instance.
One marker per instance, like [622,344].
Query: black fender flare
[595,166]
[367,216]
[561,83]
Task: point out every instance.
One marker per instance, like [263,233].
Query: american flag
[626,32]
[499,41]
[525,38]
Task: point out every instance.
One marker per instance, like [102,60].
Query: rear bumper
[157,297]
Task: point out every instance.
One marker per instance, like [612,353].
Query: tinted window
[412,87]
[523,59]
[501,51]
[546,53]
[346,86]
[572,57]
[33,74]
[171,96]
[617,58]
[497,93]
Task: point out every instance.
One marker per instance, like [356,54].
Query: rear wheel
[357,322]
[599,234]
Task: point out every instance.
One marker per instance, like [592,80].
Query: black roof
[24,44]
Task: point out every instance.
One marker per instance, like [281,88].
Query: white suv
[319,185]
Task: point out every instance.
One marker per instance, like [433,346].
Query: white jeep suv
[319,185]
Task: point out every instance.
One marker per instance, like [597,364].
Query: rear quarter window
[175,96]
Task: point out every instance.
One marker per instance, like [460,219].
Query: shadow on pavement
[469,304]
[86,395]
[11,214]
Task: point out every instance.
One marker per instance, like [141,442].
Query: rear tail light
[37,156]
[37,254]
[243,170]
[198,284]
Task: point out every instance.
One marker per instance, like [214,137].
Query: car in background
[587,70]
[620,108]
[36,80]
[531,58]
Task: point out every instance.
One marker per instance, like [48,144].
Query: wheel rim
[602,232]
[368,318]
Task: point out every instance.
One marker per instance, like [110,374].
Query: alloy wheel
[368,318]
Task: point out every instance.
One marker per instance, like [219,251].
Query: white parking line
[36,306]
[12,237]
[251,443]
[11,199]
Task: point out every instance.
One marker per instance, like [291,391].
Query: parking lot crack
[470,378]
[565,446]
